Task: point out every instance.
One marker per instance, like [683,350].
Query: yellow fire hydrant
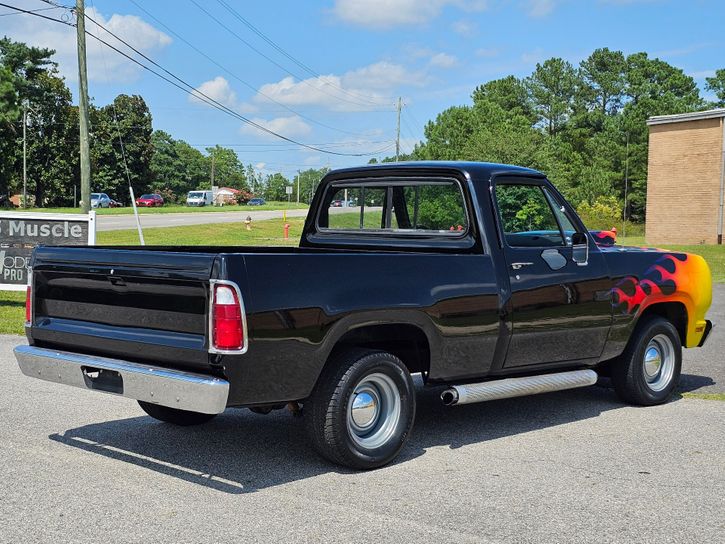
[248,222]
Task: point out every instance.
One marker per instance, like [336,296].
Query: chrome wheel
[373,411]
[659,362]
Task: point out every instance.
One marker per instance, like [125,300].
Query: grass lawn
[269,232]
[176,208]
[12,312]
[705,396]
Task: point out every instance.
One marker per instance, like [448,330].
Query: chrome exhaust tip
[449,397]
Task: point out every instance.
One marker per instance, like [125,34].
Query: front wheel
[362,410]
[183,418]
[648,371]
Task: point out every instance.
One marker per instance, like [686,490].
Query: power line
[298,62]
[190,89]
[29,11]
[235,76]
[245,42]
[206,98]
[36,14]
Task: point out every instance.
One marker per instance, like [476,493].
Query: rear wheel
[174,415]
[362,410]
[648,371]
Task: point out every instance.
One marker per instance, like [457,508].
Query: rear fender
[673,277]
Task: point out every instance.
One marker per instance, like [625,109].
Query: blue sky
[355,58]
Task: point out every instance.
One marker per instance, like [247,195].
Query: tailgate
[143,305]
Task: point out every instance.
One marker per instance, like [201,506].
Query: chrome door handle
[519,266]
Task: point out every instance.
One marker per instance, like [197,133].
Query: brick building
[685,178]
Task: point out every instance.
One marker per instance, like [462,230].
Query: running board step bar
[517,387]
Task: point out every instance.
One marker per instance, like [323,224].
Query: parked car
[463,276]
[101,200]
[150,200]
[256,202]
[336,204]
[200,198]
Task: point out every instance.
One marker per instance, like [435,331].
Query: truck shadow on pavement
[241,452]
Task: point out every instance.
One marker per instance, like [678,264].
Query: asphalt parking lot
[77,466]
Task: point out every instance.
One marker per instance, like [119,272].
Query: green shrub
[603,214]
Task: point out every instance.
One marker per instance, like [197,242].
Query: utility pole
[83,107]
[397,137]
[25,153]
[298,187]
[212,171]
[626,186]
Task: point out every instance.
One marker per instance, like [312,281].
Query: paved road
[122,222]
[577,466]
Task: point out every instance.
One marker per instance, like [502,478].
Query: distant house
[226,195]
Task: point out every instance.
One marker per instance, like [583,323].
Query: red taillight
[227,328]
[28,304]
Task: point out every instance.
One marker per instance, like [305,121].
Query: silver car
[100,200]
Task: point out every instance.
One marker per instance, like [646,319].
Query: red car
[150,200]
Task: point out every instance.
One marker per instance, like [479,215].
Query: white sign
[288,189]
[20,232]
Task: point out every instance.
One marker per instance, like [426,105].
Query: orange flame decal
[660,281]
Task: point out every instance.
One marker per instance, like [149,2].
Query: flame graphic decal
[669,274]
[673,277]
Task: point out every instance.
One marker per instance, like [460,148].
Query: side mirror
[580,248]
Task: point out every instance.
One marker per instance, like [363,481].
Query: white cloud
[217,89]
[443,60]
[464,28]
[291,127]
[362,89]
[104,64]
[383,14]
[540,8]
[487,53]
[383,75]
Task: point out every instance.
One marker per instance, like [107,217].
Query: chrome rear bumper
[167,387]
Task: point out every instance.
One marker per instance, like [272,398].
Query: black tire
[635,382]
[327,413]
[183,418]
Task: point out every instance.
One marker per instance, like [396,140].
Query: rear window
[428,207]
[196,195]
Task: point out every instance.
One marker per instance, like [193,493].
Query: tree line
[124,146]
[584,126]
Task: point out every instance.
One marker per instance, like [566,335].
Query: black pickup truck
[479,277]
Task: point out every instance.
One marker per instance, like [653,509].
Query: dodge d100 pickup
[479,277]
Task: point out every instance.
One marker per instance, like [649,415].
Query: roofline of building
[682,117]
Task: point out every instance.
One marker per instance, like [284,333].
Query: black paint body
[472,318]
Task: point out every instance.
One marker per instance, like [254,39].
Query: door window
[527,217]
[561,216]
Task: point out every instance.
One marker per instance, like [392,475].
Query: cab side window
[527,217]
